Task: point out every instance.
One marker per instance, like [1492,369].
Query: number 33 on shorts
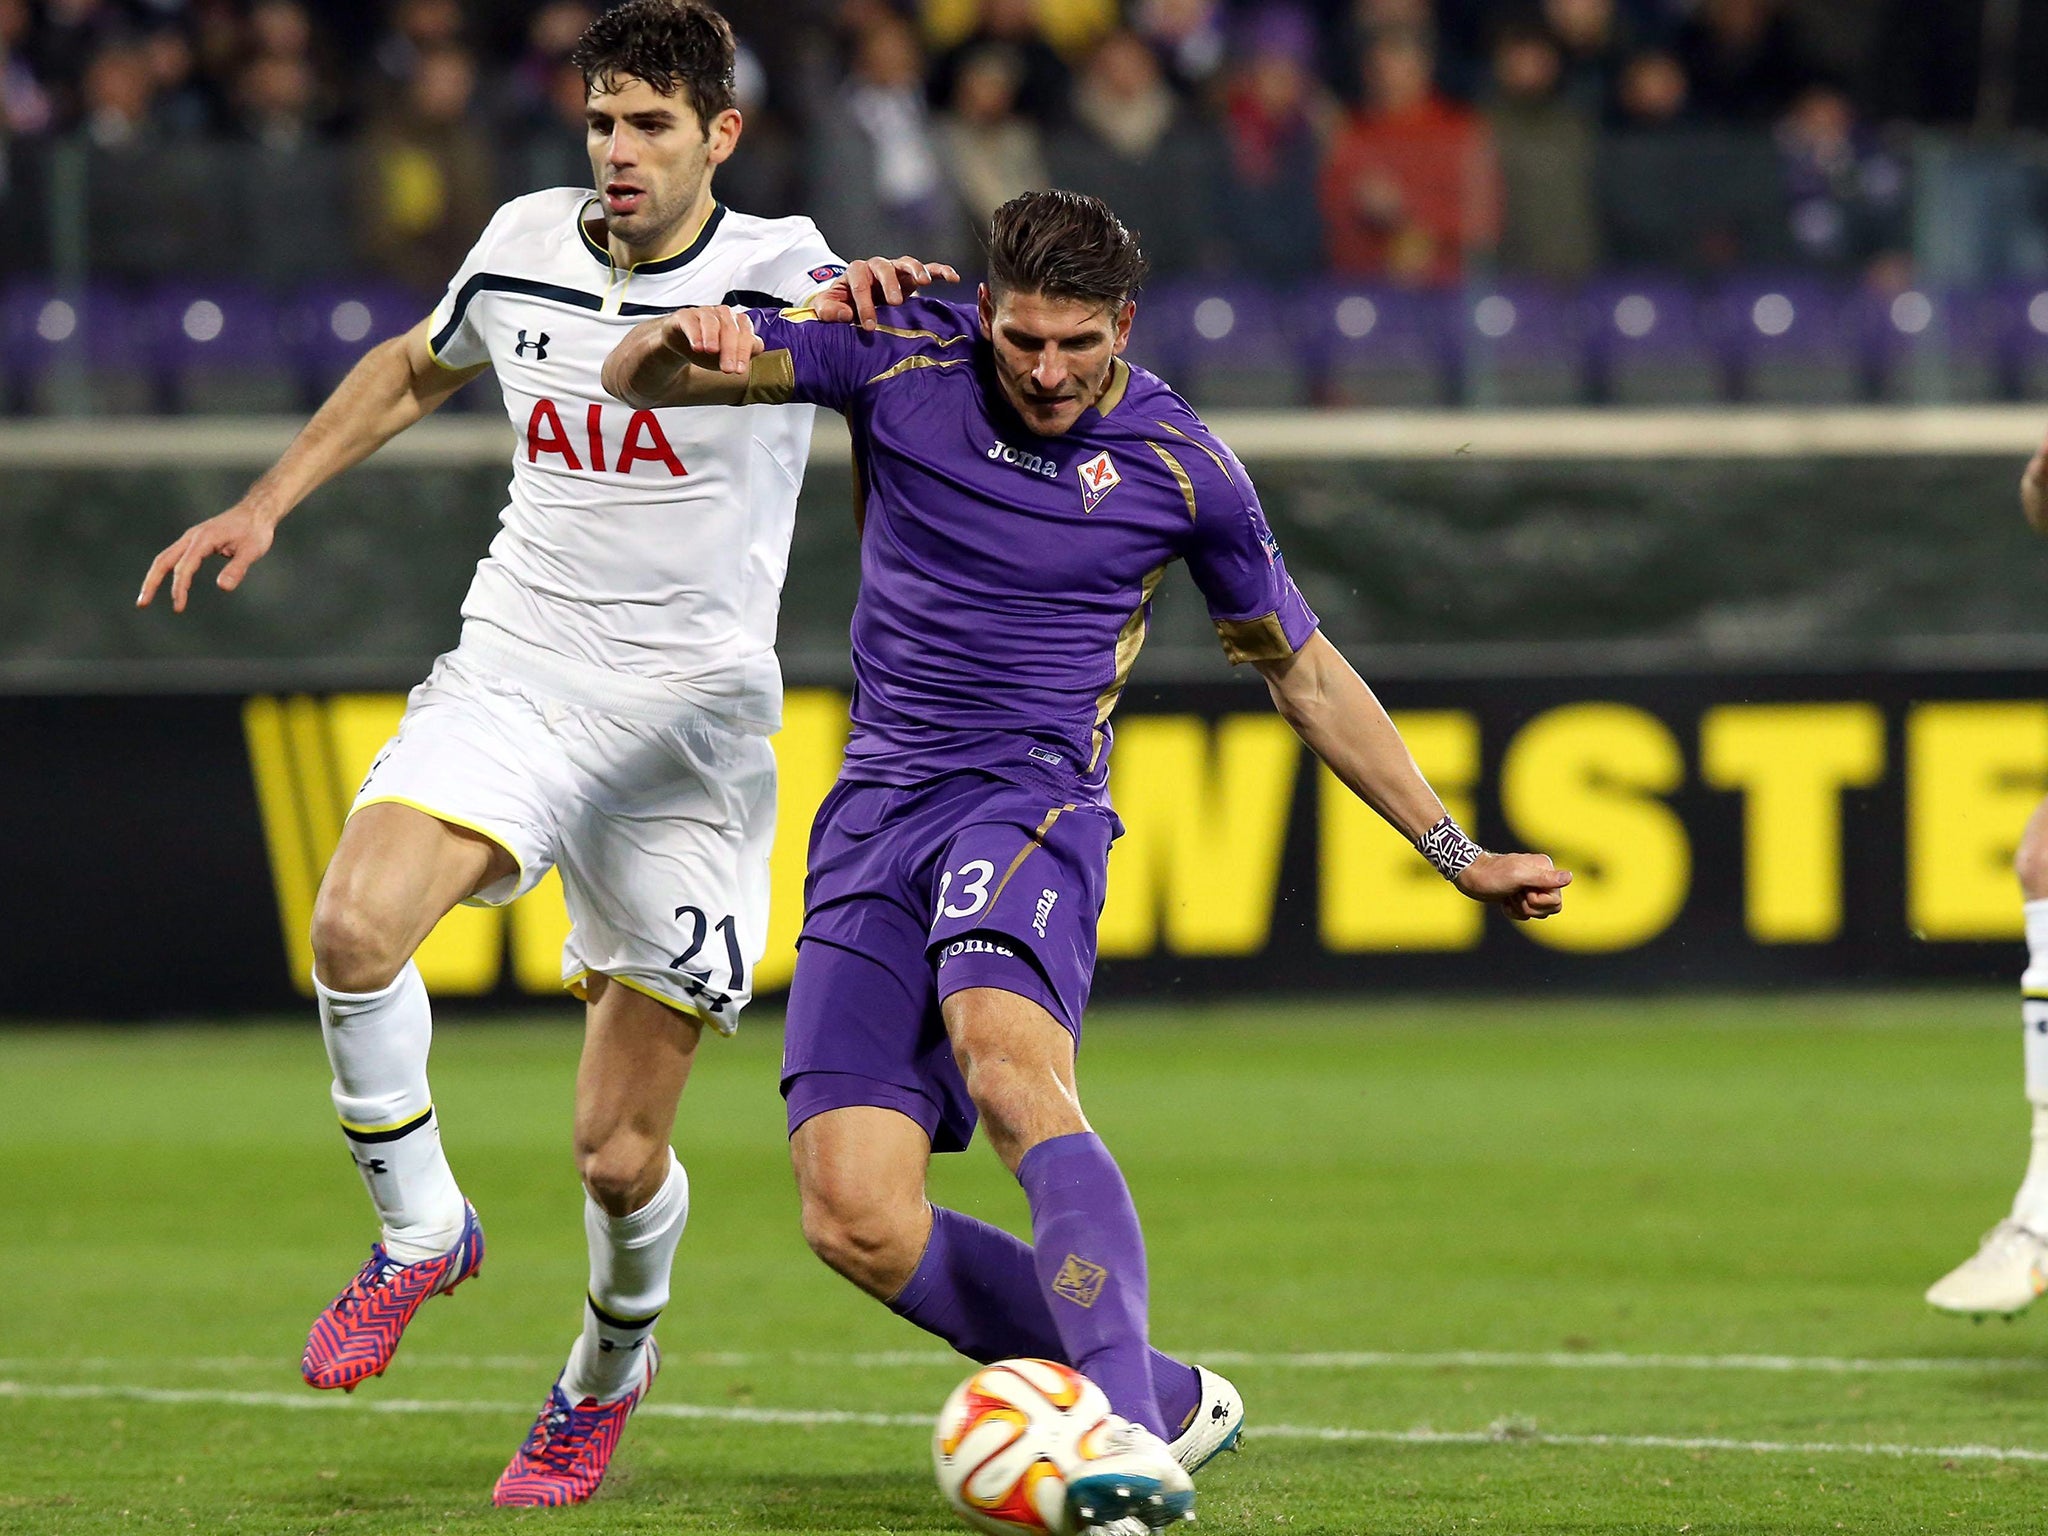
[972,896]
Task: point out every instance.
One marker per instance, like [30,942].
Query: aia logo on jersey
[1098,479]
[540,347]
[642,441]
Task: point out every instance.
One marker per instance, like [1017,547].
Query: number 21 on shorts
[972,896]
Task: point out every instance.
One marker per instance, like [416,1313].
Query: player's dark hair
[666,44]
[1064,245]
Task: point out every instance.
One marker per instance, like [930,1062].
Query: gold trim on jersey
[1260,639]
[1187,486]
[771,380]
[1213,454]
[1119,384]
[1129,641]
[912,363]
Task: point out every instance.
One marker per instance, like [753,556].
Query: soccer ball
[1006,1441]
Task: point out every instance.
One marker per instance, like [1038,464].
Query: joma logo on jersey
[540,347]
[1030,463]
[1098,479]
[643,440]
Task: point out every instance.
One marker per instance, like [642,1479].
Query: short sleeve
[803,267]
[454,338]
[825,362]
[1259,613]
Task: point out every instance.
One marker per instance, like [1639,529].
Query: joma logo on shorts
[1030,463]
[975,947]
[1046,898]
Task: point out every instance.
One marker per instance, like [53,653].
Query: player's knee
[870,1242]
[353,949]
[622,1173]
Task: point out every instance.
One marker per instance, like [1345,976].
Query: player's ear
[722,136]
[1125,316]
[987,305]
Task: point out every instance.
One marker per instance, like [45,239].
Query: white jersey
[640,562]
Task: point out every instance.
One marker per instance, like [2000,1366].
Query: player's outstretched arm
[1343,723]
[703,356]
[2034,490]
[852,298]
[396,383]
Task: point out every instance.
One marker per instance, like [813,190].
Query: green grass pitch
[1504,1266]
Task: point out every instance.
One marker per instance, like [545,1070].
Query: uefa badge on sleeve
[1098,479]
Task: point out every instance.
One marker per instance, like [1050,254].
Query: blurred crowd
[1405,141]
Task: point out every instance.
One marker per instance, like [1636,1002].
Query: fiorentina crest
[1098,479]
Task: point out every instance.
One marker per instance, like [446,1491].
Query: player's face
[652,159]
[1054,357]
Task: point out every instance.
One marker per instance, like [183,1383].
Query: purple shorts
[913,895]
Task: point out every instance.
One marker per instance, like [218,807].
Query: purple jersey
[1007,579]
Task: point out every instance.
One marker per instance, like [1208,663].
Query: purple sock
[1090,1256]
[977,1288]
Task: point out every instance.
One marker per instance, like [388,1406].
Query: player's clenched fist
[1523,885]
[713,335]
[241,533]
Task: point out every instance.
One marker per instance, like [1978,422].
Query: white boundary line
[1331,1360]
[1506,1433]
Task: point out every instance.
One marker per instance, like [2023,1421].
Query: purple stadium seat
[72,351]
[1370,345]
[218,347]
[1923,345]
[1646,343]
[327,328]
[1789,338]
[1225,343]
[1523,344]
[2006,328]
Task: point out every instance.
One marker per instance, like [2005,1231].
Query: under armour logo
[375,1165]
[540,347]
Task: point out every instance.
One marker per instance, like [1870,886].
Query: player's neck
[672,240]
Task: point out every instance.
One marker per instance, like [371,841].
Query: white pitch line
[814,1417]
[1313,1360]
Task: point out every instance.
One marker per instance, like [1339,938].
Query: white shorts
[661,829]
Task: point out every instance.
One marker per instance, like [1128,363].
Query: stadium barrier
[1815,806]
[1724,830]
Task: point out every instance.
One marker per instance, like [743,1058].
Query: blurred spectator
[426,175]
[1042,83]
[278,102]
[1963,63]
[990,152]
[61,46]
[1069,27]
[1743,59]
[531,84]
[1845,190]
[1135,145]
[183,107]
[1593,40]
[118,92]
[1545,143]
[1408,187]
[418,28]
[280,29]
[25,108]
[1188,35]
[877,181]
[1277,119]
[1652,93]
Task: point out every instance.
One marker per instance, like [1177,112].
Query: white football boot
[2005,1274]
[1129,1474]
[1218,1424]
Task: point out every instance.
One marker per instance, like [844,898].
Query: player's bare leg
[395,873]
[637,1053]
[2010,1267]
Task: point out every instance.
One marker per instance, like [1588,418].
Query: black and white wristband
[1447,847]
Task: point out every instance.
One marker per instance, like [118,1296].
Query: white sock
[630,1260]
[377,1044]
[2030,1205]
